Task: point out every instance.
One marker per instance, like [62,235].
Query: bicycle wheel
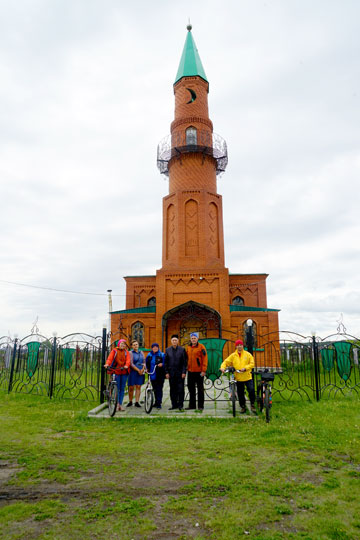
[267,404]
[233,399]
[113,398]
[149,400]
[259,397]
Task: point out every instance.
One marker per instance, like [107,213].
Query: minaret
[193,263]
[193,291]
[192,156]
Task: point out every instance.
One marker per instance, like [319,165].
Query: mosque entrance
[192,325]
[190,317]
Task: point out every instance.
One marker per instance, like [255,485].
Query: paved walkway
[217,408]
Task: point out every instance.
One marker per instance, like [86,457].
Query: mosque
[193,290]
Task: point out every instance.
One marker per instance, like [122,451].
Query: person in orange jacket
[197,366]
[118,362]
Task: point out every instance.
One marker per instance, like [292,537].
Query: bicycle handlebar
[232,370]
[151,372]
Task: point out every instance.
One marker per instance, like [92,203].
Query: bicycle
[111,394]
[149,397]
[232,387]
[263,393]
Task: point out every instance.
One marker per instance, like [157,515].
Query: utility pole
[109,291]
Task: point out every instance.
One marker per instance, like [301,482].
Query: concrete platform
[213,408]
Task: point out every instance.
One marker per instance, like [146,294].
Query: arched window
[237,301]
[138,333]
[250,334]
[152,301]
[191,136]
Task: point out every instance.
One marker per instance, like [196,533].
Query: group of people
[177,362]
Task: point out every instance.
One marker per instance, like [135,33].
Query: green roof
[145,309]
[190,63]
[248,308]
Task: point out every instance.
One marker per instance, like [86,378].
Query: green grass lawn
[65,476]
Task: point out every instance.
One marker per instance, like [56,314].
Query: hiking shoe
[243,410]
[138,405]
[181,409]
[129,404]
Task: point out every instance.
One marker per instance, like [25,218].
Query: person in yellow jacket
[244,362]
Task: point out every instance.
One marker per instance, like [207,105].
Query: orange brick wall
[193,237]
[193,260]
[139,289]
[251,287]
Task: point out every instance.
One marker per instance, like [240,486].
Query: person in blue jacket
[157,376]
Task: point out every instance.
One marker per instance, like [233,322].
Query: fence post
[52,370]
[12,367]
[103,359]
[316,365]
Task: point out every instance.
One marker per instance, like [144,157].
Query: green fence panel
[68,357]
[343,359]
[214,348]
[33,356]
[327,358]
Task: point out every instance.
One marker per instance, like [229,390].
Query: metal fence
[309,367]
[306,368]
[67,367]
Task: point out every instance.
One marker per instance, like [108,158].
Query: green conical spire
[190,63]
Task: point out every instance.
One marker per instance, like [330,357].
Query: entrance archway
[190,317]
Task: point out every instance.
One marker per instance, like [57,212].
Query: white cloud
[86,95]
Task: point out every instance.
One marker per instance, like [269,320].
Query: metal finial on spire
[189,27]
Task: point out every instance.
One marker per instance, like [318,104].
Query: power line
[56,290]
[82,292]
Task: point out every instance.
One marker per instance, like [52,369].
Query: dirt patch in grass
[7,470]
[155,483]
[93,508]
[141,485]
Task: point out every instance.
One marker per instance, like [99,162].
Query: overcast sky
[85,97]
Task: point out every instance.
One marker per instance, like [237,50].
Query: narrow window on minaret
[191,136]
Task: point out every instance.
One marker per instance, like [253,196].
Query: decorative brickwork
[191,228]
[193,289]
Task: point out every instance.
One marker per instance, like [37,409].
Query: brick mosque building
[193,290]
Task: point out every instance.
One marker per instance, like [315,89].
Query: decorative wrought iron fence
[67,367]
[306,367]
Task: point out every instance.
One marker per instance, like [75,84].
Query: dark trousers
[241,394]
[158,391]
[177,390]
[195,381]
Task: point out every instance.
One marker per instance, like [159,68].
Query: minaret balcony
[207,144]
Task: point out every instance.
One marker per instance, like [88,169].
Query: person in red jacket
[197,366]
[118,362]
